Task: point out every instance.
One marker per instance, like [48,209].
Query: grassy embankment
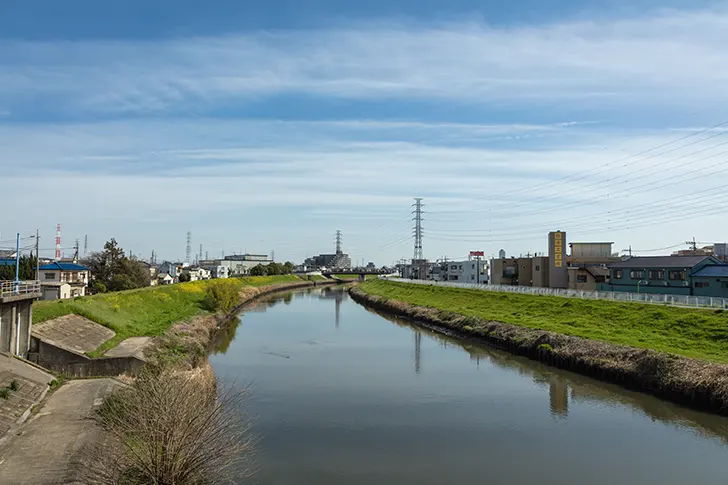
[700,334]
[144,312]
[315,277]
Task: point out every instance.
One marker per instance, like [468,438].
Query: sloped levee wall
[695,383]
[77,365]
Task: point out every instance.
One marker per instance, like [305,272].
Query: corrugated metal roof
[597,271]
[660,262]
[63,266]
[713,271]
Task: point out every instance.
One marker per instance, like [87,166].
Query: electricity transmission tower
[189,247]
[418,205]
[338,243]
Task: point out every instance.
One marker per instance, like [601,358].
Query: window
[50,276]
[472,277]
[453,267]
[636,274]
[618,274]
[581,278]
[657,274]
[676,275]
[472,266]
[702,284]
[724,284]
[538,267]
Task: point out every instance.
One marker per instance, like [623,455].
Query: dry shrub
[171,428]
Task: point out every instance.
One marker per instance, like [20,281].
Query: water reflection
[337,294]
[565,387]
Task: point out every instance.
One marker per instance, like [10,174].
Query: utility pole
[37,255]
[75,251]
[694,245]
[85,245]
[17,267]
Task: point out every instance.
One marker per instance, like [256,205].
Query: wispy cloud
[610,61]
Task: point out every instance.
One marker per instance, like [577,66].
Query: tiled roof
[63,266]
[660,262]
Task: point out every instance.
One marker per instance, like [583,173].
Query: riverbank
[693,382]
[146,312]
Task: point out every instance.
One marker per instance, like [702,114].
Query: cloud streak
[610,61]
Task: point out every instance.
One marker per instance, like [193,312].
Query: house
[658,274]
[587,278]
[62,279]
[164,279]
[171,269]
[711,281]
[152,269]
[197,274]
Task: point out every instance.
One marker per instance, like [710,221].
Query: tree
[288,267]
[27,269]
[112,270]
[258,270]
[184,277]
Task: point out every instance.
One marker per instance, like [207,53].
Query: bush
[5,393]
[14,385]
[170,427]
[184,278]
[222,295]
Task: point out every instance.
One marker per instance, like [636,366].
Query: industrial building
[234,264]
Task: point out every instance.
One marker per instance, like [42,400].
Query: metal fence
[657,299]
[14,288]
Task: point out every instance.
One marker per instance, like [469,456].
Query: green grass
[701,334]
[146,312]
[315,277]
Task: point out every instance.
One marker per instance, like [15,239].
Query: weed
[14,385]
[57,382]
[5,393]
[546,347]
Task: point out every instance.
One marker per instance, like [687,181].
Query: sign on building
[558,272]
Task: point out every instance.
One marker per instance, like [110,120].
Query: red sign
[477,253]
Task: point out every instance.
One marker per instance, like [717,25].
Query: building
[61,280]
[165,279]
[234,264]
[171,269]
[469,271]
[198,274]
[675,275]
[710,281]
[587,278]
[331,261]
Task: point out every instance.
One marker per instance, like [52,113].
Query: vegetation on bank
[700,334]
[146,311]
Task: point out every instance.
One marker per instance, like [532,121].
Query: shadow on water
[565,387]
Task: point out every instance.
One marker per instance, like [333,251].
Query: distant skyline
[267,126]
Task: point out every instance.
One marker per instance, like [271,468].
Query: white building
[469,271]
[164,279]
[61,280]
[197,274]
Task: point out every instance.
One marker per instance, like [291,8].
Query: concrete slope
[46,448]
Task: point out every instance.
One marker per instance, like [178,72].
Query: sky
[265,126]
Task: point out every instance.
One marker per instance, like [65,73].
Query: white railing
[657,299]
[15,288]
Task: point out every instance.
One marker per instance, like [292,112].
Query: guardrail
[15,288]
[651,298]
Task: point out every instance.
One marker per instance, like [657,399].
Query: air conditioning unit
[664,283]
[686,283]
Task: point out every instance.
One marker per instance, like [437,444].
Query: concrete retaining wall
[77,365]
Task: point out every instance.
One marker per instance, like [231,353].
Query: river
[341,395]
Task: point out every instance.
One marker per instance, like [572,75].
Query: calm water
[341,395]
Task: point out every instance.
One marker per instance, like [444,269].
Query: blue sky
[266,126]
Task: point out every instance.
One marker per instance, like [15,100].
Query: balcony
[19,290]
